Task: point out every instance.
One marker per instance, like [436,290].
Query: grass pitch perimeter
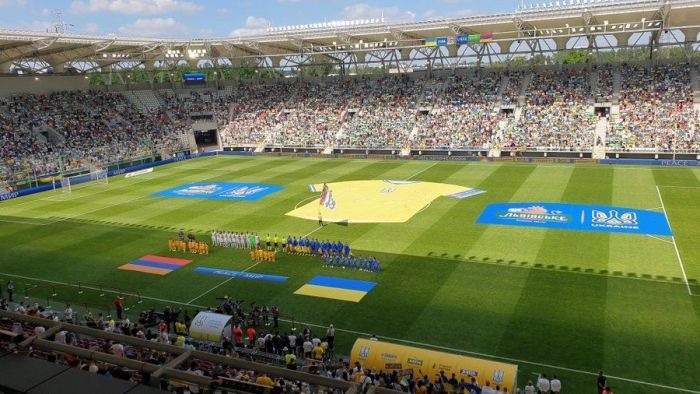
[556,302]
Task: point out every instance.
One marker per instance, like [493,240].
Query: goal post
[95,177]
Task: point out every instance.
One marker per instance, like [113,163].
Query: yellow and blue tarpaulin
[336,288]
[378,201]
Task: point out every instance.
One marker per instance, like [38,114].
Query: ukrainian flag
[336,288]
[430,42]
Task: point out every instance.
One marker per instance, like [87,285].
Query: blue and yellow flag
[336,288]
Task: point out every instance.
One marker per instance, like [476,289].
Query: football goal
[96,177]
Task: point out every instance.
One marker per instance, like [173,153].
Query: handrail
[40,343]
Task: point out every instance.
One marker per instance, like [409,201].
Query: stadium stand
[167,360]
[545,109]
[656,110]
[557,114]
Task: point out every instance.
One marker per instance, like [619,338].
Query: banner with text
[577,217]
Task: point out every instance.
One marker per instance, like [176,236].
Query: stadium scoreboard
[194,78]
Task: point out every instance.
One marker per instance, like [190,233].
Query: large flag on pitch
[327,197]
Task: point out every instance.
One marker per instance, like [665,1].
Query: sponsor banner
[121,171]
[209,326]
[241,275]
[221,191]
[467,193]
[390,357]
[139,172]
[577,217]
[652,162]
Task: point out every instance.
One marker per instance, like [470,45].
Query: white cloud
[90,28]
[463,13]
[35,25]
[391,14]
[252,26]
[13,3]
[141,7]
[154,27]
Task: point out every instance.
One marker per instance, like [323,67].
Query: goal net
[96,177]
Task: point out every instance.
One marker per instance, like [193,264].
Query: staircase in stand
[600,135]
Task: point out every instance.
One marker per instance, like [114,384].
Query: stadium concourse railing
[623,158]
[169,370]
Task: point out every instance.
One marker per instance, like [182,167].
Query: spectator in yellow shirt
[264,380]
[318,352]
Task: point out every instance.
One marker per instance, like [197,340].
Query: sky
[221,18]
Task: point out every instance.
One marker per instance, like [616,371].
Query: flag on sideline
[336,288]
[156,265]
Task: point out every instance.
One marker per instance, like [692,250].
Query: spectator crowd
[48,133]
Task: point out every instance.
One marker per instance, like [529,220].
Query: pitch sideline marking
[105,207]
[95,210]
[660,239]
[382,336]
[675,246]
[221,284]
[129,227]
[679,187]
[421,171]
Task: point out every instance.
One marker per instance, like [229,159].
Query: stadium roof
[555,22]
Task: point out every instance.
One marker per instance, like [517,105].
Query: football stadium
[499,203]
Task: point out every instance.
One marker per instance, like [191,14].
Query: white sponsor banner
[209,326]
[139,172]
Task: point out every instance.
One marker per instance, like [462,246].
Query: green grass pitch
[556,302]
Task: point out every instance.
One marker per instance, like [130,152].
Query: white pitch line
[316,229]
[679,187]
[306,199]
[380,336]
[94,210]
[221,284]
[660,239]
[421,171]
[675,245]
[22,222]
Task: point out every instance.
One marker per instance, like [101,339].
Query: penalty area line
[660,239]
[578,371]
[675,245]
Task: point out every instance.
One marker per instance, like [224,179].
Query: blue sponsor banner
[653,162]
[442,41]
[241,275]
[121,171]
[221,191]
[462,39]
[467,193]
[577,217]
